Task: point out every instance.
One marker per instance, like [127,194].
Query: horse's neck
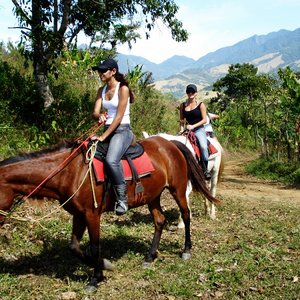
[25,175]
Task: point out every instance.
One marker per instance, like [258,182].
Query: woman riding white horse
[215,167]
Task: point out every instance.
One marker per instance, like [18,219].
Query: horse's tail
[222,165]
[195,173]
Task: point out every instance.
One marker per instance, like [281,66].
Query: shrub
[274,170]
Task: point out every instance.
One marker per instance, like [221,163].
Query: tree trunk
[40,60]
[42,84]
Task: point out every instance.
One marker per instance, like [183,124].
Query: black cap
[191,88]
[108,63]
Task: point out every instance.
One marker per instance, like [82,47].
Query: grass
[250,252]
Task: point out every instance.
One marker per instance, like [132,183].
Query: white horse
[215,167]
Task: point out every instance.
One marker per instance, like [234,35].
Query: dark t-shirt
[193,116]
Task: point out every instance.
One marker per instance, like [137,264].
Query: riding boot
[207,174]
[121,205]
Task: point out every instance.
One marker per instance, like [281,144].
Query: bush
[295,177]
[274,170]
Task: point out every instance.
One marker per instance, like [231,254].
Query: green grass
[250,252]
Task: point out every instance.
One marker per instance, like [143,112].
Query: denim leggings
[202,139]
[119,142]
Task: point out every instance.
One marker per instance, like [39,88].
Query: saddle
[136,164]
[135,150]
[190,135]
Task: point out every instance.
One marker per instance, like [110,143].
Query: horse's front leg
[93,225]
[159,222]
[185,214]
[79,226]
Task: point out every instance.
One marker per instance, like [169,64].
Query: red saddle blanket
[212,149]
[142,164]
[193,140]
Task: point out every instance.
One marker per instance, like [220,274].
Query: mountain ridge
[266,52]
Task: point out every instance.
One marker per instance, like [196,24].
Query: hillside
[267,52]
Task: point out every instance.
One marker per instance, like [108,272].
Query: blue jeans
[202,139]
[119,142]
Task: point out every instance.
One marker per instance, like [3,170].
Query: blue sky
[212,24]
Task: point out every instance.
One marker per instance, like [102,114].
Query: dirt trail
[235,183]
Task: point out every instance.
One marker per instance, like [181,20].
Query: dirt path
[235,183]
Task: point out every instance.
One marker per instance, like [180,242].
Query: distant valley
[267,52]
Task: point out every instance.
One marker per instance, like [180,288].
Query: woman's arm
[181,118]
[213,116]
[98,104]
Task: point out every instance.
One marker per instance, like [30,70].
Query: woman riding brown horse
[21,174]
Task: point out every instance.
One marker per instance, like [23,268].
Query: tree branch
[21,12]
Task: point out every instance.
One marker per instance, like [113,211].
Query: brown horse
[173,163]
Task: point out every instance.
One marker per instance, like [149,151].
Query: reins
[89,158]
[60,166]
[190,136]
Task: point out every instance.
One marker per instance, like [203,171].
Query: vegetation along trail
[250,252]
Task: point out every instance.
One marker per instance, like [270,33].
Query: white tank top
[112,105]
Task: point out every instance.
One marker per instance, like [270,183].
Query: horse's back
[166,158]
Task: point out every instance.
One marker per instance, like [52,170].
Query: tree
[48,26]
[252,97]
[290,105]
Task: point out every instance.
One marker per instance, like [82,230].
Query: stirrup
[121,208]
[207,175]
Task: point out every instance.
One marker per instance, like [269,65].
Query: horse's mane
[39,153]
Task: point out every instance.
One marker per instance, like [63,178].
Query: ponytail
[120,77]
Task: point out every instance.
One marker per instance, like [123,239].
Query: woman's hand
[95,137]
[102,118]
[189,127]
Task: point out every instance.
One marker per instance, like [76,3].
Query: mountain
[267,52]
[170,66]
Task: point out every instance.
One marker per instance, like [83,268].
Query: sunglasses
[103,70]
[190,92]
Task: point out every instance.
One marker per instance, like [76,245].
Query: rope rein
[60,166]
[89,159]
[89,156]
[60,206]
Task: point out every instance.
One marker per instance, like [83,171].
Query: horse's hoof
[147,265]
[186,256]
[92,286]
[107,265]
